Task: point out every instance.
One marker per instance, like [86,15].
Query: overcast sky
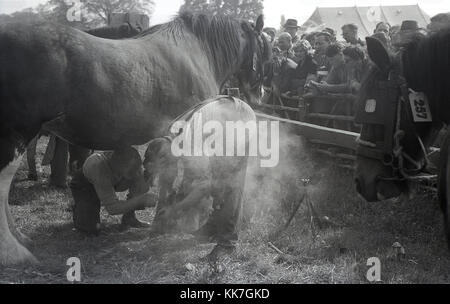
[273,9]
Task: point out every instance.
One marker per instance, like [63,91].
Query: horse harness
[391,151]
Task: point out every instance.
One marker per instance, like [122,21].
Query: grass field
[356,231]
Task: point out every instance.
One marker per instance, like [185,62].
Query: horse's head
[396,125]
[255,52]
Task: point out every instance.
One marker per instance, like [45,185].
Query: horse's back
[112,92]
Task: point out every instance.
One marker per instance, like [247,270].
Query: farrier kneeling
[102,175]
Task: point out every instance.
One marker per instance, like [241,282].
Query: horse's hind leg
[22,238]
[11,251]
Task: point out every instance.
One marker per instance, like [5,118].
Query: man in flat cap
[331,32]
[291,27]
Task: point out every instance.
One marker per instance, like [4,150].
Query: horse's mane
[219,34]
[426,67]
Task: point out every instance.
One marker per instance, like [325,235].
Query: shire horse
[404,103]
[104,94]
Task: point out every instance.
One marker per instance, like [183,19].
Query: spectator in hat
[331,32]
[438,22]
[350,34]
[291,27]
[409,31]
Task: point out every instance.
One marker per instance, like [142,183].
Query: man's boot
[129,220]
[220,251]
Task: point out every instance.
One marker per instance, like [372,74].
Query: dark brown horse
[103,94]
[404,103]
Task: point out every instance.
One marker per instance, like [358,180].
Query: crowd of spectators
[319,63]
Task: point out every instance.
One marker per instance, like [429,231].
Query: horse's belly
[104,134]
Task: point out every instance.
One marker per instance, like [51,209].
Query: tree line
[96,13]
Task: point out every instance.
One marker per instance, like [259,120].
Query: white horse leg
[11,251]
[22,238]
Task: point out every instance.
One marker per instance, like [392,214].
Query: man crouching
[96,183]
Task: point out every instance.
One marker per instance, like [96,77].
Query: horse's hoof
[14,253]
[23,239]
[220,252]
